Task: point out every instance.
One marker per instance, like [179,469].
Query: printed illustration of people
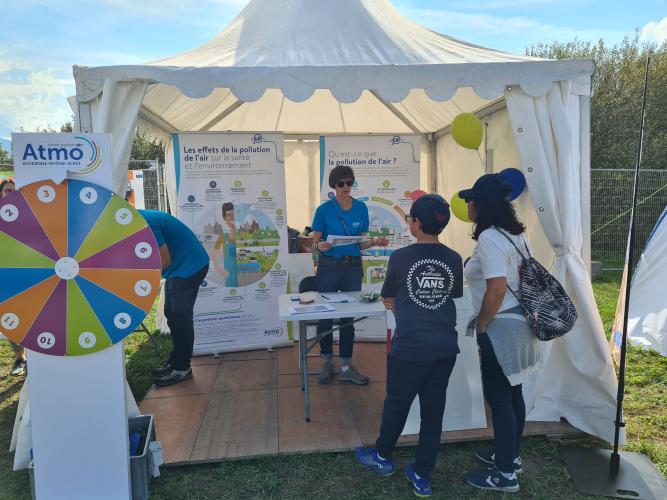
[225,248]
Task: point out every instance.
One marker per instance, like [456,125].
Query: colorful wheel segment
[80,268]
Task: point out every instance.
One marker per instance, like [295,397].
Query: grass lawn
[336,475]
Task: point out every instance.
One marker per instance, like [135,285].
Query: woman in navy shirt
[340,268]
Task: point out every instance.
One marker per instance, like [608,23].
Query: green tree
[5,156]
[616,101]
[145,148]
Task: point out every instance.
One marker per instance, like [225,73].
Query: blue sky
[40,40]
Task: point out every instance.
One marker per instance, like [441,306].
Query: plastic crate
[139,466]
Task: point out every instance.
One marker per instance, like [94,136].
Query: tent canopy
[316,66]
[357,66]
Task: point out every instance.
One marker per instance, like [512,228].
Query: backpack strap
[513,244]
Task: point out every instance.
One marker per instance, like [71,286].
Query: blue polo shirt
[187,254]
[424,279]
[330,218]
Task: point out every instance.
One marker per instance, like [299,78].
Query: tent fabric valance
[346,46]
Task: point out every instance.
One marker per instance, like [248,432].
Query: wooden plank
[177,422]
[238,424]
[256,354]
[202,381]
[288,360]
[323,399]
[207,359]
[325,432]
[247,375]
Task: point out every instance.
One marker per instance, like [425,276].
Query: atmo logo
[82,153]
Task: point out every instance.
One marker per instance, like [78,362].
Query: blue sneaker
[420,487]
[368,457]
[492,479]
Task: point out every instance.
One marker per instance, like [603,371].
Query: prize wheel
[80,268]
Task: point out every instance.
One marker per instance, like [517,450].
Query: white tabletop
[342,310]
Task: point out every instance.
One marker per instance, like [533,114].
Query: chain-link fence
[155,193]
[6,170]
[611,198]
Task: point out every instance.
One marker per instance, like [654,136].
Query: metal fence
[611,198]
[155,189]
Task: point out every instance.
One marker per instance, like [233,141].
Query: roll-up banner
[231,193]
[386,170]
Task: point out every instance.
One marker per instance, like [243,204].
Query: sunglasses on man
[410,218]
[340,184]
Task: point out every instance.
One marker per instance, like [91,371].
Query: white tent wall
[577,378]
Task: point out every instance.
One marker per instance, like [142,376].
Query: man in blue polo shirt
[423,279]
[184,266]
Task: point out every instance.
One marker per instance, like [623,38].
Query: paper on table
[337,241]
[337,298]
[316,308]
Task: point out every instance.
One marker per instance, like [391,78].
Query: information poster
[135,189]
[386,170]
[231,193]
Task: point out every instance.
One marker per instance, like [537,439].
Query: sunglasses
[340,184]
[410,218]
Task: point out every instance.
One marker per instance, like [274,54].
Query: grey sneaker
[326,373]
[352,375]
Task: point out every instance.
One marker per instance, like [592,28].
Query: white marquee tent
[647,318]
[311,67]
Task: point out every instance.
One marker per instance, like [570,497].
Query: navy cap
[489,187]
[432,211]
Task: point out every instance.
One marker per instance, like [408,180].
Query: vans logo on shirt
[430,283]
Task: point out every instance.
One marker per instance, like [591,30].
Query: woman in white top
[508,348]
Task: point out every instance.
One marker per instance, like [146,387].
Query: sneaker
[161,371]
[492,479]
[352,375]
[488,456]
[368,457]
[326,373]
[18,368]
[173,377]
[420,487]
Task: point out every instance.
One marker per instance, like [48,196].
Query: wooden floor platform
[250,404]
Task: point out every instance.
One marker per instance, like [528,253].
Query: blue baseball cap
[489,187]
[432,211]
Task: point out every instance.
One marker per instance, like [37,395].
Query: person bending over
[184,266]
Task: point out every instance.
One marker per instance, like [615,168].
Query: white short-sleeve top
[494,257]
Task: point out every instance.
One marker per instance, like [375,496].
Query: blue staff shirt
[424,279]
[329,218]
[187,254]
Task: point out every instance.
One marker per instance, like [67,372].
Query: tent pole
[148,115]
[228,111]
[615,461]
[408,123]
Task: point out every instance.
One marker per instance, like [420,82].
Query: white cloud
[35,101]
[655,31]
[528,29]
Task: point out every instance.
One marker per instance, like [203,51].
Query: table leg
[303,349]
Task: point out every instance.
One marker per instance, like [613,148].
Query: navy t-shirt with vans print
[424,279]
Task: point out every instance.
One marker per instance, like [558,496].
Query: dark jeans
[338,276]
[180,295]
[508,410]
[406,379]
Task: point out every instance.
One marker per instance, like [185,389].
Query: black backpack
[548,309]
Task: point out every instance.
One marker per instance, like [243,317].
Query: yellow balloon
[467,130]
[459,208]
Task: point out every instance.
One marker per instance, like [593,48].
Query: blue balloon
[516,179]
